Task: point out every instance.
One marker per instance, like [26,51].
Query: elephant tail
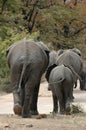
[25,65]
[21,78]
[74,72]
[24,76]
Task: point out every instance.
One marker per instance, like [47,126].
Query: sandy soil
[9,121]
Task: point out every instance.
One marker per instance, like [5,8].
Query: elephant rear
[61,83]
[27,61]
[71,60]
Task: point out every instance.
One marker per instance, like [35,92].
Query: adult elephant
[71,59]
[61,82]
[27,61]
[55,54]
[83,78]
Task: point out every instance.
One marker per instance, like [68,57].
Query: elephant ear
[59,52]
[8,49]
[49,69]
[43,47]
[77,51]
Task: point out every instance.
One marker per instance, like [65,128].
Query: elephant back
[27,52]
[60,74]
[71,60]
[57,74]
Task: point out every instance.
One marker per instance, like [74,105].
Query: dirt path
[10,121]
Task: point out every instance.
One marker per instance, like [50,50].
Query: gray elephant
[61,81]
[72,60]
[27,61]
[54,55]
[83,78]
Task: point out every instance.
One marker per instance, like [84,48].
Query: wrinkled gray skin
[77,51]
[72,60]
[59,52]
[27,61]
[61,82]
[54,55]
[83,78]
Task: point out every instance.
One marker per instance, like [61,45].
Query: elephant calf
[61,83]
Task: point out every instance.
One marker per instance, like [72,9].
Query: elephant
[83,78]
[61,81]
[77,51]
[71,57]
[72,60]
[27,61]
[53,55]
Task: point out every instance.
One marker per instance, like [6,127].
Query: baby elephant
[61,83]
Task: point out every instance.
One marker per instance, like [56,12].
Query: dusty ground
[9,121]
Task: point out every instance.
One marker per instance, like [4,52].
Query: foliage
[47,20]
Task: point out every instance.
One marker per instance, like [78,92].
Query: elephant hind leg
[61,104]
[29,88]
[67,108]
[17,109]
[55,103]
[67,100]
[33,106]
[17,103]
[15,76]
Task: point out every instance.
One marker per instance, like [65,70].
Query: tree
[50,21]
